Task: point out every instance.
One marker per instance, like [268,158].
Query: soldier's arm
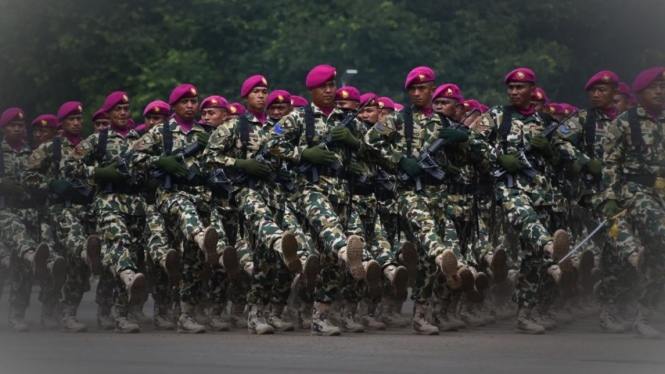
[81,163]
[35,175]
[147,151]
[381,142]
[284,141]
[358,133]
[483,136]
[614,146]
[216,155]
[565,140]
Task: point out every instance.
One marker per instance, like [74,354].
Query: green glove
[573,169]
[202,138]
[453,135]
[61,188]
[343,135]
[542,146]
[172,165]
[453,170]
[510,163]
[611,208]
[319,155]
[253,168]
[356,168]
[109,173]
[10,186]
[409,165]
[595,167]
[284,175]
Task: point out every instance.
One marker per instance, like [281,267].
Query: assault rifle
[429,165]
[123,167]
[181,156]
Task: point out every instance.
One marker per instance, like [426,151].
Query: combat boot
[215,321]
[37,260]
[485,312]
[642,327]
[369,319]
[186,322]
[275,318]
[122,323]
[135,284]
[256,321]
[447,263]
[389,315]
[238,318]
[160,317]
[352,256]
[454,310]
[286,247]
[17,319]
[441,317]
[622,319]
[58,270]
[481,283]
[47,319]
[170,264]
[398,277]
[320,323]
[608,322]
[469,315]
[305,312]
[93,254]
[420,324]
[136,314]
[373,278]
[104,319]
[565,279]
[207,241]
[559,248]
[229,262]
[525,323]
[310,272]
[409,257]
[200,315]
[497,263]
[542,318]
[69,321]
[348,321]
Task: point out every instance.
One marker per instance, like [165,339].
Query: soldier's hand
[542,146]
[202,138]
[109,173]
[595,167]
[319,155]
[343,135]
[172,165]
[573,169]
[253,168]
[510,163]
[356,168]
[61,188]
[453,135]
[611,208]
[409,165]
[10,186]
[284,175]
[453,170]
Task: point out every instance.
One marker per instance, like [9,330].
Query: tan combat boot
[238,318]
[559,248]
[389,315]
[58,270]
[310,272]
[542,318]
[641,327]
[215,319]
[160,317]
[104,319]
[256,321]
[373,278]
[409,257]
[186,322]
[454,310]
[447,263]
[69,321]
[525,323]
[348,321]
[369,319]
[420,324]
[93,254]
[17,319]
[229,262]
[398,276]
[207,241]
[352,255]
[122,323]
[170,264]
[200,315]
[135,284]
[47,319]
[37,260]
[441,317]
[469,314]
[136,314]
[286,247]
[320,323]
[608,322]
[305,311]
[275,318]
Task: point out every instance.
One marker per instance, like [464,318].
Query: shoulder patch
[564,129]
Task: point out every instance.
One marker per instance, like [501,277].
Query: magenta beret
[251,82]
[298,101]
[421,74]
[645,78]
[399,106]
[320,75]
[214,101]
[100,114]
[369,97]
[347,93]
[556,108]
[183,91]
[278,97]
[157,107]
[567,109]
[10,115]
[141,128]
[521,75]
[69,108]
[45,120]
[470,105]
[605,77]
[236,109]
[539,95]
[484,108]
[118,97]
[386,103]
[624,89]
[448,90]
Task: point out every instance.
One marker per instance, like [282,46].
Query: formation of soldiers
[321,215]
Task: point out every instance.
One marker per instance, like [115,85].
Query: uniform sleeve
[483,135]
[382,139]
[284,141]
[81,163]
[565,139]
[36,175]
[147,151]
[359,135]
[614,146]
[215,156]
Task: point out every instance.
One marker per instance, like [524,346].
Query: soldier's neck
[259,115]
[186,126]
[15,144]
[526,111]
[74,139]
[121,131]
[325,109]
[426,110]
[653,112]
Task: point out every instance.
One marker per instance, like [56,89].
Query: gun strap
[167,138]
[590,131]
[102,144]
[309,124]
[408,129]
[244,134]
[57,153]
[636,133]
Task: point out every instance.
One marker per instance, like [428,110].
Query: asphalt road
[572,349]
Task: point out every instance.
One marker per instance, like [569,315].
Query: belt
[647,180]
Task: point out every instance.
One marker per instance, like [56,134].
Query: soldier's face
[370,114]
[519,94]
[73,124]
[119,115]
[621,102]
[256,99]
[13,131]
[152,120]
[43,134]
[385,112]
[602,95]
[213,116]
[445,106]
[421,94]
[324,95]
[277,111]
[653,96]
[472,118]
[186,108]
[539,106]
[101,124]
[347,104]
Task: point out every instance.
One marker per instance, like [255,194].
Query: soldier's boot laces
[352,255]
[275,318]
[69,321]
[186,322]
[256,321]
[229,262]
[447,263]
[136,314]
[441,317]
[135,283]
[170,263]
[390,315]
[93,254]
[104,319]
[215,319]
[320,323]
[420,324]
[409,257]
[525,323]
[122,323]
[398,276]
[642,328]
[47,318]
[207,241]
[17,320]
[238,318]
[160,318]
[348,319]
[373,278]
[287,248]
[608,322]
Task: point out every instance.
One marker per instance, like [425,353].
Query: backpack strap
[100,153]
[590,131]
[506,125]
[244,134]
[408,128]
[167,138]
[636,132]
[57,153]
[309,124]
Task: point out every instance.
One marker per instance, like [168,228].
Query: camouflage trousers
[5,256]
[471,229]
[158,242]
[555,220]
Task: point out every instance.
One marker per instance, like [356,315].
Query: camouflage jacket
[621,158]
[149,149]
[14,163]
[83,161]
[288,140]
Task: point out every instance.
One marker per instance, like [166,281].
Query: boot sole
[210,240]
[311,271]
[561,246]
[426,333]
[257,332]
[334,333]
[93,250]
[499,265]
[290,252]
[449,269]
[373,279]
[181,331]
[39,262]
[132,331]
[230,261]
[136,289]
[59,273]
[172,267]
[81,329]
[354,255]
[410,258]
[539,332]
[400,283]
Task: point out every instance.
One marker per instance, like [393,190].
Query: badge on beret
[381,104]
[606,78]
[371,102]
[232,109]
[466,105]
[421,77]
[192,91]
[449,92]
[264,81]
[566,111]
[156,110]
[125,98]
[335,73]
[291,101]
[20,116]
[552,109]
[280,98]
[520,75]
[44,122]
[345,94]
[213,102]
[539,95]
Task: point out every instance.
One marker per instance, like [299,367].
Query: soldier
[298,139]
[525,198]
[557,111]
[28,261]
[386,106]
[235,110]
[100,121]
[214,110]
[622,97]
[473,111]
[347,97]
[44,128]
[279,105]
[155,114]
[298,101]
[540,100]
[184,200]
[634,153]
[118,205]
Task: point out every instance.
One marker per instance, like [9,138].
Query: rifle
[181,155]
[123,167]
[239,177]
[383,180]
[527,170]
[427,163]
[220,183]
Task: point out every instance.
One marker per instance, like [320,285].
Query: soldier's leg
[4,266]
[240,288]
